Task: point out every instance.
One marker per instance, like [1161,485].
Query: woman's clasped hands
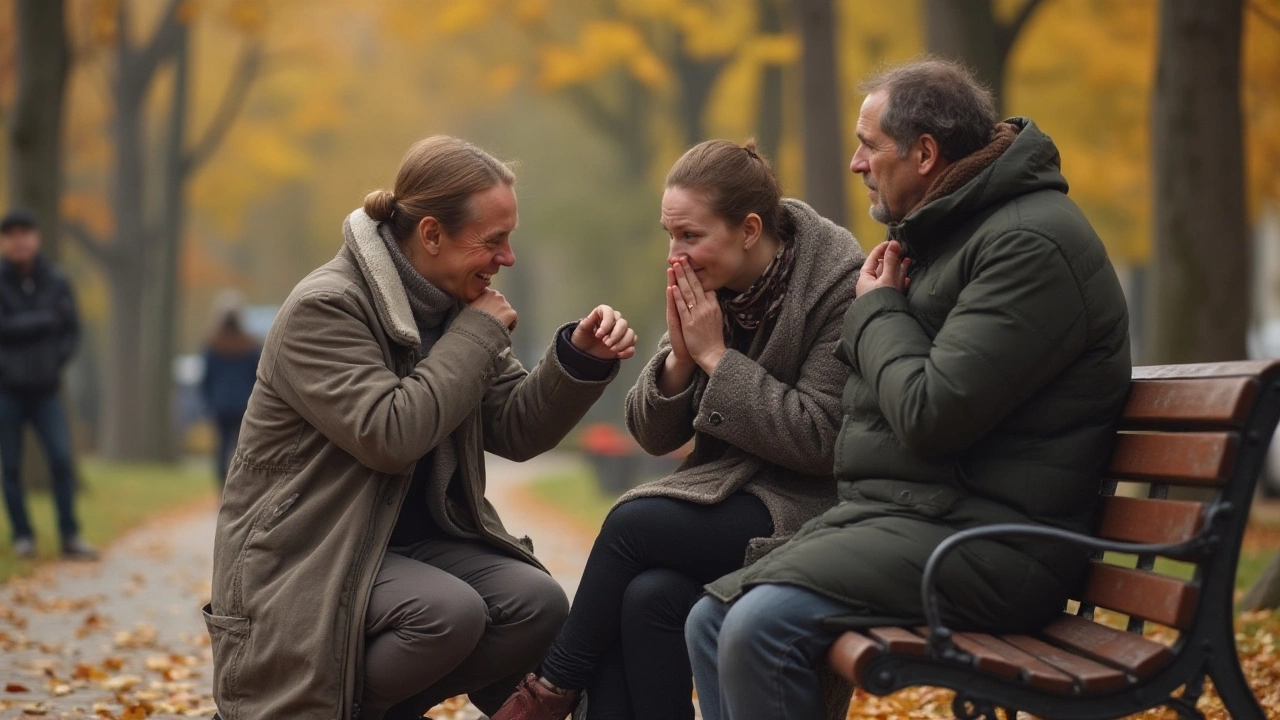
[695,325]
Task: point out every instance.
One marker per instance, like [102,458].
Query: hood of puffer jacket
[1030,163]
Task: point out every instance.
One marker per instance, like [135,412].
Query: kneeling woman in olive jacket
[358,568]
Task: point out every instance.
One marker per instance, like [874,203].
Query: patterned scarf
[761,302]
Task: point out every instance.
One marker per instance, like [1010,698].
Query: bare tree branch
[1009,33]
[247,70]
[87,241]
[1265,14]
[600,115]
[164,41]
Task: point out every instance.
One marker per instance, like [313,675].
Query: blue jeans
[45,414]
[759,656]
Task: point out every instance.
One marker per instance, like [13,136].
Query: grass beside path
[577,494]
[114,498]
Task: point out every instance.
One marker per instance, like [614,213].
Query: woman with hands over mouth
[757,286]
[359,570]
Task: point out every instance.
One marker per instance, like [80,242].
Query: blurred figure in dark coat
[230,367]
[39,330]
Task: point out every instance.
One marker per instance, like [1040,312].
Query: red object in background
[606,439]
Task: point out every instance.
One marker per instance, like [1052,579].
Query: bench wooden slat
[1138,655]
[1039,674]
[1203,401]
[1093,676]
[1231,368]
[986,658]
[1149,521]
[1141,594]
[900,640]
[851,653]
[1191,458]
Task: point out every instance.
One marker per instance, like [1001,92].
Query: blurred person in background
[39,330]
[757,286]
[230,366]
[359,569]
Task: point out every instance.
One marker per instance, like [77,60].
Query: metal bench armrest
[940,643]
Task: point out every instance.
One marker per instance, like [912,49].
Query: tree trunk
[967,31]
[1199,278]
[134,426]
[35,148]
[1265,592]
[127,428]
[769,115]
[169,249]
[35,131]
[697,78]
[825,164]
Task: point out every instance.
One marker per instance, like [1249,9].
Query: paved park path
[123,638]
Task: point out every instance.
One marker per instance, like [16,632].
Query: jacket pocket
[228,639]
[927,499]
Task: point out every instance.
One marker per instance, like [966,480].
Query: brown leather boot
[534,701]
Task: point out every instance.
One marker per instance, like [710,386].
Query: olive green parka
[988,392]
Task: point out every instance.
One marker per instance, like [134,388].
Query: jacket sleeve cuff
[862,311]
[556,360]
[578,364]
[484,330]
[716,408]
[652,396]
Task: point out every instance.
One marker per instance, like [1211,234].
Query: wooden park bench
[1204,426]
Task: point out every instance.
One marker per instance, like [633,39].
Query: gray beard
[882,214]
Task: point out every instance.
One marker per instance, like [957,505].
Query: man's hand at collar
[884,267]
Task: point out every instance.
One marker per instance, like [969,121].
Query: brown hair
[737,179]
[437,178]
[936,97]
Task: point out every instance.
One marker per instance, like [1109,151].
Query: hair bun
[379,205]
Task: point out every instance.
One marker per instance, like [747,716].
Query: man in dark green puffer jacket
[990,363]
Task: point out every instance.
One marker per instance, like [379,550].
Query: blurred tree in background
[1200,264]
[247,129]
[40,59]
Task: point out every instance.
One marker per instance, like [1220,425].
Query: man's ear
[752,226]
[429,235]
[928,156]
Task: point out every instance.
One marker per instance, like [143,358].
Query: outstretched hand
[605,334]
[884,267]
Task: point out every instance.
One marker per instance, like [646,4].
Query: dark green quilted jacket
[988,392]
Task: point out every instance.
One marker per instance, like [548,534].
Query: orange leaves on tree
[249,17]
[601,46]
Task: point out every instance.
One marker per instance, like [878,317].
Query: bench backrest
[1197,426]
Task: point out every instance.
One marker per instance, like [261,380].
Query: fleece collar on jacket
[360,234]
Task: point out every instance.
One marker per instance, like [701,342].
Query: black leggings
[624,639]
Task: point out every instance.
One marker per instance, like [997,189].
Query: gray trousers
[451,617]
